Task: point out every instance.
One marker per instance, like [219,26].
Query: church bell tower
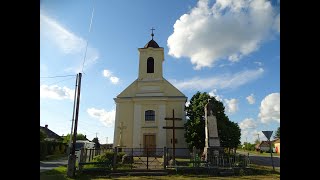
[151,57]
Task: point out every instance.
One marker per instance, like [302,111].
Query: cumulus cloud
[108,74]
[277,23]
[232,105]
[270,108]
[56,92]
[251,99]
[106,117]
[223,81]
[258,62]
[67,42]
[226,30]
[248,123]
[214,94]
[187,103]
[252,135]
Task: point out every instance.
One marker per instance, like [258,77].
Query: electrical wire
[85,53]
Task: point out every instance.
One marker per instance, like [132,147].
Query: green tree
[80,136]
[42,135]
[277,134]
[96,141]
[228,131]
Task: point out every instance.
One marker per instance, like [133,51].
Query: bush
[43,150]
[119,156]
[127,159]
[62,148]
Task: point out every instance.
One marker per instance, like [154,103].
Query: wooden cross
[121,127]
[173,133]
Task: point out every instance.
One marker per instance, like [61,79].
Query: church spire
[152,32]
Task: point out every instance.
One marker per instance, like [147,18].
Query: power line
[57,76]
[60,81]
[85,54]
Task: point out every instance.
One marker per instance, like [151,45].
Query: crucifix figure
[121,127]
[152,32]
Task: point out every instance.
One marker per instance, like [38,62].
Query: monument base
[211,152]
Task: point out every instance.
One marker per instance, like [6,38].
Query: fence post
[132,160]
[147,158]
[164,157]
[115,158]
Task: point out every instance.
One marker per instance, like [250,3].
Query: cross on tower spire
[152,32]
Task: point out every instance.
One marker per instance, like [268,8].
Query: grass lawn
[260,172]
[55,157]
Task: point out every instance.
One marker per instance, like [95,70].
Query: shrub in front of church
[108,157]
[126,159]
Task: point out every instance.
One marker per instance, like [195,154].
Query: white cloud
[108,74]
[232,105]
[227,30]
[56,92]
[251,136]
[223,81]
[270,108]
[187,103]
[277,23]
[106,117]
[214,94]
[248,123]
[114,80]
[67,42]
[251,99]
[258,62]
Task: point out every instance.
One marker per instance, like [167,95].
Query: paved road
[48,165]
[264,160]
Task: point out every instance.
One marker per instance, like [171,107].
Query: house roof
[49,133]
[264,144]
[276,141]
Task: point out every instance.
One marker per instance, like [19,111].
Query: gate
[142,158]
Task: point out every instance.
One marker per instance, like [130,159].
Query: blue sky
[228,48]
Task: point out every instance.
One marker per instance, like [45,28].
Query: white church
[142,107]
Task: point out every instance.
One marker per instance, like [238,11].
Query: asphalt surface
[264,160]
[48,165]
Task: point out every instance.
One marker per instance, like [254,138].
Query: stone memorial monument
[212,141]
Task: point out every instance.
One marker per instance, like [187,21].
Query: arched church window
[150,65]
[149,115]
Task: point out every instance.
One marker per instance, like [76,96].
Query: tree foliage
[96,141]
[80,136]
[228,131]
[42,135]
[277,134]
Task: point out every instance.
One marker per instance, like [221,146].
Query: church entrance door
[149,141]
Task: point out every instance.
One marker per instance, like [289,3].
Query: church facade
[142,107]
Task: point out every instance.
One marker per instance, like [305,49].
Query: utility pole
[72,156]
[72,120]
[258,137]
[96,135]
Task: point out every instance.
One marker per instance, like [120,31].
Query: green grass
[258,172]
[55,157]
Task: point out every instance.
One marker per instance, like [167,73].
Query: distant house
[277,145]
[106,146]
[264,146]
[50,135]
